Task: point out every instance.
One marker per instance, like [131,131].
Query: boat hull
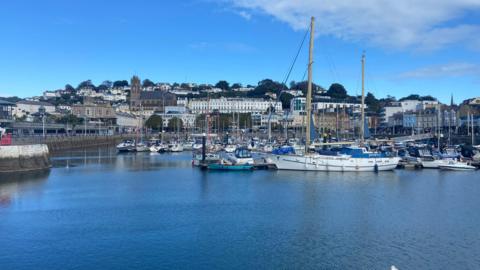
[222,167]
[333,163]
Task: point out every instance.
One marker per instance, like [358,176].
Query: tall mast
[309,88]
[362,124]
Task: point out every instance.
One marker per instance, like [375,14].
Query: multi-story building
[233,105]
[6,112]
[28,107]
[95,112]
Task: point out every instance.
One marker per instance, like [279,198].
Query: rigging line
[296,56]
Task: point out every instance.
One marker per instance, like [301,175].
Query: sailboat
[356,159]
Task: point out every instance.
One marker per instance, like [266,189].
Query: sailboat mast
[362,124]
[309,87]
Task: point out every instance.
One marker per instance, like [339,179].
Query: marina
[157,211]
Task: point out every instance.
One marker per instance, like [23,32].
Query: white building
[128,122]
[233,105]
[406,106]
[51,94]
[25,107]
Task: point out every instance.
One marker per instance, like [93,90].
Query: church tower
[135,90]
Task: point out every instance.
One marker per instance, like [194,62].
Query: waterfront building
[127,122]
[102,113]
[6,112]
[29,107]
[233,105]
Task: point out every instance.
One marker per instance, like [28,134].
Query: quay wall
[61,143]
[18,158]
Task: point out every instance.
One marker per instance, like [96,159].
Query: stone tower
[135,90]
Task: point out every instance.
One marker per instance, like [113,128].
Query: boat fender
[375,168]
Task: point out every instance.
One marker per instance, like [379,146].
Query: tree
[236,85]
[86,84]
[418,97]
[265,86]
[69,88]
[175,124]
[70,119]
[285,98]
[148,83]
[120,84]
[107,83]
[337,90]
[154,122]
[185,86]
[373,103]
[224,85]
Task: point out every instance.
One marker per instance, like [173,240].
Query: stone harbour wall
[20,158]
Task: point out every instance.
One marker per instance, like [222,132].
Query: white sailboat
[359,162]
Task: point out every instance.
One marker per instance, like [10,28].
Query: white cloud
[423,25]
[446,70]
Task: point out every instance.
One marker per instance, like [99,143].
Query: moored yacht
[126,146]
[356,160]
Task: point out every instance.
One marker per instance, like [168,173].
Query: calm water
[99,210]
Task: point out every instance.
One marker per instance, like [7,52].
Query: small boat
[188,145]
[175,147]
[453,165]
[141,147]
[159,148]
[126,146]
[209,158]
[229,148]
[242,156]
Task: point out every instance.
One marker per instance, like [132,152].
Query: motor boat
[126,146]
[175,147]
[159,148]
[241,156]
[229,148]
[209,158]
[142,147]
[454,165]
[188,145]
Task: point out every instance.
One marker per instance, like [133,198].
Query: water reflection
[13,183]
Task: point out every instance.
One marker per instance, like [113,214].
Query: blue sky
[424,48]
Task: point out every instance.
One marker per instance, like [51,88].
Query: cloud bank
[420,25]
[446,70]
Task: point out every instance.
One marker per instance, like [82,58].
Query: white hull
[457,166]
[333,163]
[433,164]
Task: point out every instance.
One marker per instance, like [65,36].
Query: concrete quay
[22,158]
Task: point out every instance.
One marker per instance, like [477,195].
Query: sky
[428,47]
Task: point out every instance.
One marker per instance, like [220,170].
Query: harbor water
[98,210]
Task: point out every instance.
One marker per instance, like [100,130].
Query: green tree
[224,85]
[69,88]
[337,91]
[175,124]
[70,119]
[120,84]
[373,103]
[86,84]
[148,83]
[154,122]
[285,98]
[237,85]
[265,86]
